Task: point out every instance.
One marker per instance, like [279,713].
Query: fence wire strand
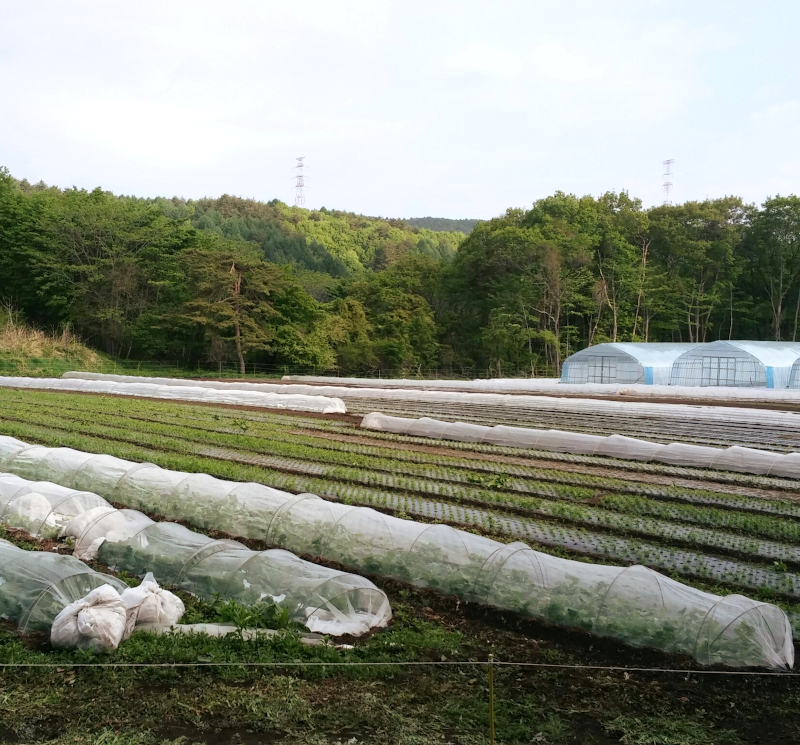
[448,663]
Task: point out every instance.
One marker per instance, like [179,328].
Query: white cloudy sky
[407,108]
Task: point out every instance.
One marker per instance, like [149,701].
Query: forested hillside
[337,243]
[442,223]
[231,280]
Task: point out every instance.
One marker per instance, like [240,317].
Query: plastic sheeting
[533,392]
[195,393]
[325,600]
[633,604]
[36,586]
[742,460]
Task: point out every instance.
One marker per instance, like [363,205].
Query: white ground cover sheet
[742,460]
[710,414]
[194,393]
[633,604]
[554,387]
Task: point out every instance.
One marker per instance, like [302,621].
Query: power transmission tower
[667,187]
[300,183]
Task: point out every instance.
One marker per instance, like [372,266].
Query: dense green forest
[212,281]
[442,223]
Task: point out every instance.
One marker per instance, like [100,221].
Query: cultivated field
[720,531]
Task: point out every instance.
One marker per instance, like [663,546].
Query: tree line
[217,280]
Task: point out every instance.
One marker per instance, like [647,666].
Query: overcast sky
[454,109]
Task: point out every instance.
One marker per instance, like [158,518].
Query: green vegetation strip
[480,491]
[458,470]
[575,539]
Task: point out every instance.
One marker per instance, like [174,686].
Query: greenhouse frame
[744,364]
[624,362]
[794,375]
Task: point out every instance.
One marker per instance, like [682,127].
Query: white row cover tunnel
[529,392]
[325,600]
[194,393]
[634,604]
[36,586]
[739,459]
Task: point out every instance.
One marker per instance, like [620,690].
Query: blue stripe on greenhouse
[770,377]
[648,376]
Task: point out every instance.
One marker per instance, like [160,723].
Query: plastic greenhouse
[36,586]
[794,375]
[623,362]
[752,364]
[633,604]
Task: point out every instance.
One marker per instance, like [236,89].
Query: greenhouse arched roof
[648,363]
[737,363]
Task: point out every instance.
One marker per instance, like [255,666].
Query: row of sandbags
[742,460]
[195,393]
[656,411]
[324,600]
[633,604]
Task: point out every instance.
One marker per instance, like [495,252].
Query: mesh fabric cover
[633,604]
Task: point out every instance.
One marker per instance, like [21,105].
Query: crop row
[729,518]
[593,460]
[557,537]
[335,427]
[461,470]
[402,476]
[569,513]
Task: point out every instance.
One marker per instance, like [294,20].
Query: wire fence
[417,663]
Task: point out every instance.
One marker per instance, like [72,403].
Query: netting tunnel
[36,586]
[634,604]
[325,600]
[494,392]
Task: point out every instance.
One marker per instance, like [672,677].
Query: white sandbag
[149,603]
[95,622]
